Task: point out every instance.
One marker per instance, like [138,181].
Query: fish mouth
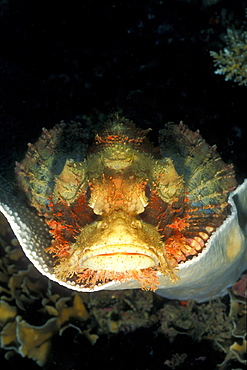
[119,257]
[118,243]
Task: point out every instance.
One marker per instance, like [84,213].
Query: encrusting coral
[20,287]
[236,346]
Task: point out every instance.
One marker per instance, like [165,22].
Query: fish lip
[119,257]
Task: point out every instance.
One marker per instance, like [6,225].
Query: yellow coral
[232,60]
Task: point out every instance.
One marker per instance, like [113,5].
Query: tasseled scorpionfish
[121,214]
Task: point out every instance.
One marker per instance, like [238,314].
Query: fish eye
[147,191]
[88,193]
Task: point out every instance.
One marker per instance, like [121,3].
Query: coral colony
[232,61]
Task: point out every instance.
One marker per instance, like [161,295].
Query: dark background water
[61,60]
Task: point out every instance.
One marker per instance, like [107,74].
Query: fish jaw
[118,245]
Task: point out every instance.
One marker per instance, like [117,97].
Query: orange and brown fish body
[122,215]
